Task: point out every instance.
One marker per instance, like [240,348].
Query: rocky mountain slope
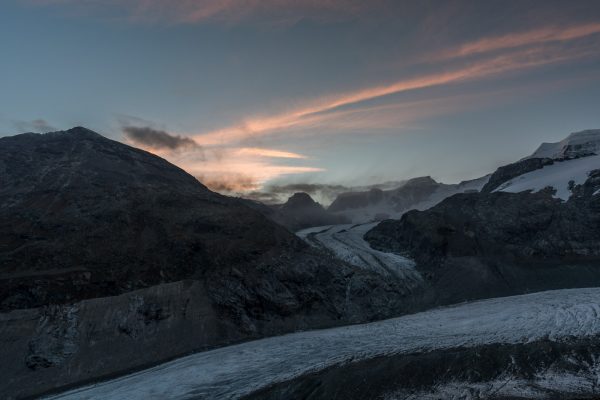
[534,226]
[111,258]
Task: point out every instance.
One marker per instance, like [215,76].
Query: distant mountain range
[301,211]
[417,193]
[581,148]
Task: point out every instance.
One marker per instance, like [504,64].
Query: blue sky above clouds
[276,92]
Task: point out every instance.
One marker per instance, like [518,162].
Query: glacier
[238,370]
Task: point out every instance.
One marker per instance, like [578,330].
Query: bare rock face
[86,221]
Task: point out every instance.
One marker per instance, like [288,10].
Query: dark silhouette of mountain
[111,259]
[301,211]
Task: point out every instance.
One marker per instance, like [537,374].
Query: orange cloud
[234,169]
[260,170]
[256,151]
[256,171]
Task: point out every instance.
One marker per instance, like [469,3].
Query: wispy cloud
[324,109]
[260,169]
[256,151]
[235,176]
[519,39]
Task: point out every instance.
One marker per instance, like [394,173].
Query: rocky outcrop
[301,211]
[111,258]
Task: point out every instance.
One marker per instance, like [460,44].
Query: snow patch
[576,144]
[558,176]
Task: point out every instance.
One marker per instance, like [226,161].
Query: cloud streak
[260,152]
[323,109]
[519,39]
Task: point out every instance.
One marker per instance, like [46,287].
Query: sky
[263,98]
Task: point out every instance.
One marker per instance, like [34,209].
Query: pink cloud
[328,107]
[256,151]
[235,169]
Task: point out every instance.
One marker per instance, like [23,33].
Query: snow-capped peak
[577,144]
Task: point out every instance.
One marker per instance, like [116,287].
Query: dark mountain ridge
[111,258]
